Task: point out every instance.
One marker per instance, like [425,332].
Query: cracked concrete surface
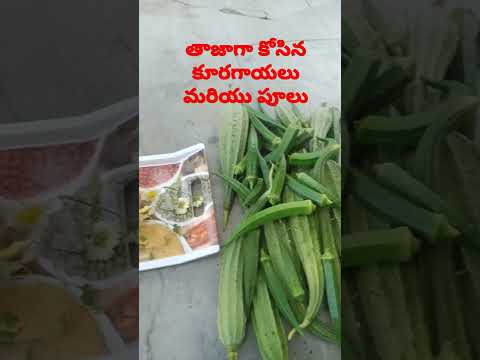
[182,299]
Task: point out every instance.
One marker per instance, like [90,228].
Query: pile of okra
[411,195]
[281,262]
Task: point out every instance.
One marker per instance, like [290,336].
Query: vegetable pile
[411,248]
[282,260]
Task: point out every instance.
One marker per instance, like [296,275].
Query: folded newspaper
[176,212]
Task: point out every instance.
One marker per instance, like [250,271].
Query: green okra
[450,87]
[332,270]
[309,159]
[255,193]
[232,144]
[264,169]
[287,117]
[278,181]
[330,257]
[299,142]
[332,177]
[376,129]
[241,190]
[281,149]
[354,81]
[277,289]
[258,205]
[469,28]
[372,295]
[387,85]
[351,328]
[331,174]
[322,120]
[317,327]
[240,168]
[393,281]
[231,316]
[276,212]
[399,180]
[448,317]
[369,247]
[304,191]
[282,259]
[400,211]
[267,325]
[264,132]
[308,249]
[273,124]
[252,158]
[309,181]
[250,258]
[427,158]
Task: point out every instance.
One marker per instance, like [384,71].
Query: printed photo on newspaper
[176,213]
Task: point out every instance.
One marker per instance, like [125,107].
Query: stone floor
[178,304]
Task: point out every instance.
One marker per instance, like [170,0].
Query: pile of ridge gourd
[282,259]
[411,280]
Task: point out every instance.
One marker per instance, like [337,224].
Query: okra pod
[431,225]
[250,258]
[307,180]
[399,180]
[331,268]
[299,142]
[241,190]
[265,132]
[267,325]
[275,125]
[232,144]
[254,193]
[231,316]
[317,327]
[278,292]
[282,259]
[278,181]
[276,212]
[369,247]
[427,158]
[259,204]
[287,117]
[308,250]
[240,168]
[282,148]
[322,120]
[264,169]
[252,159]
[309,159]
[321,200]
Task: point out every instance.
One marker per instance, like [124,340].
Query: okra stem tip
[292,333]
[232,355]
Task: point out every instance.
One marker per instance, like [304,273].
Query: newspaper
[176,211]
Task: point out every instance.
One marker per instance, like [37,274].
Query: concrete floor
[65,58]
[178,304]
